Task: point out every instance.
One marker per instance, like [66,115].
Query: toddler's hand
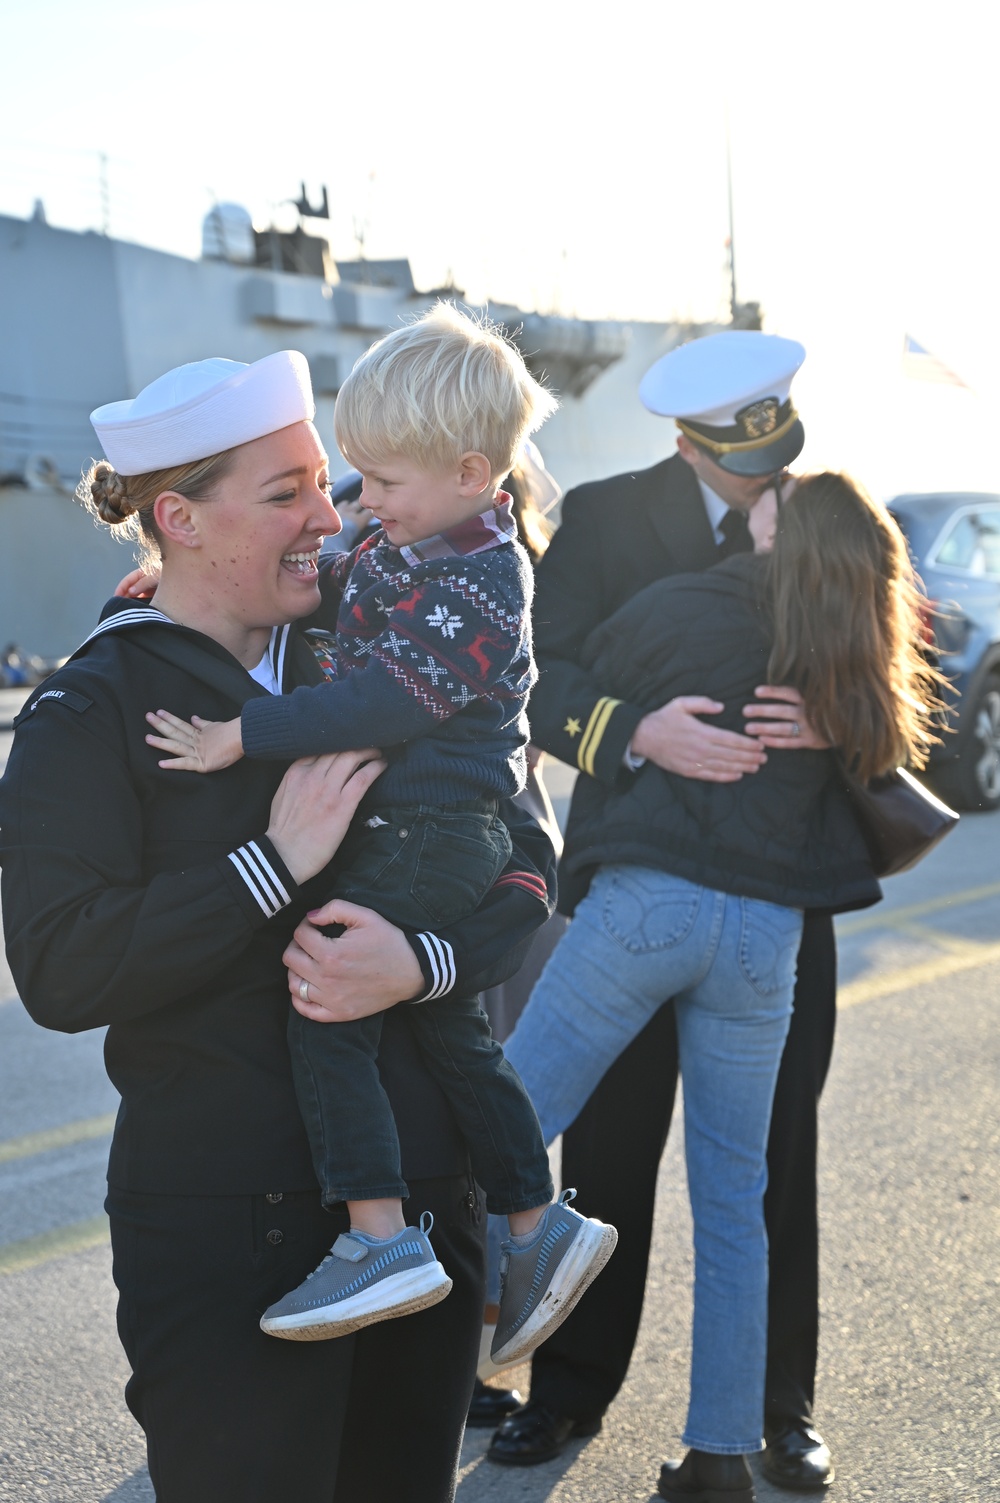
[196,745]
[139,585]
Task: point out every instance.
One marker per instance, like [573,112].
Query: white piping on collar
[279,643]
[136,617]
[148,615]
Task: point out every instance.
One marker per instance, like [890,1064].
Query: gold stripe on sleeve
[593,735]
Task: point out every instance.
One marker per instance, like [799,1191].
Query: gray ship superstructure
[86,319]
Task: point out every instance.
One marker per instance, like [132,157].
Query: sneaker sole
[416,1290]
[574,1276]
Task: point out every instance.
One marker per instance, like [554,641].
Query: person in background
[355,519]
[535,495]
[738,429]
[697,890]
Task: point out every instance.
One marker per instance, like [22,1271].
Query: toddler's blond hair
[435,389]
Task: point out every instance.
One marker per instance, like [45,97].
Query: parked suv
[954,539]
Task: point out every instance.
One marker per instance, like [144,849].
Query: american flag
[921,365]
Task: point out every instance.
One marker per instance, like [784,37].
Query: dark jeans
[419,867]
[234,1416]
[612,1154]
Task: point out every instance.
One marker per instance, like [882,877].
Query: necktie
[735,534]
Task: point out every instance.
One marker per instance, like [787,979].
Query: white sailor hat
[729,394]
[200,409]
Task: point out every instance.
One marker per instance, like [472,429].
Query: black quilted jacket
[786,834]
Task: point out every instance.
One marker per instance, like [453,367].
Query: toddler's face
[413,503]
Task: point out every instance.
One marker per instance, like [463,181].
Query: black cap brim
[767,460]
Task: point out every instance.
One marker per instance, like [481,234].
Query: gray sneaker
[358,1283]
[540,1284]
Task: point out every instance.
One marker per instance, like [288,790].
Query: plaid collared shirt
[488,529]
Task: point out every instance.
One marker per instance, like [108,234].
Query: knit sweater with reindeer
[427,654]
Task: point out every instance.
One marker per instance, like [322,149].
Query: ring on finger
[303,989]
[796,728]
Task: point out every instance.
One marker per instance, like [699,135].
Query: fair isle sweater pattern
[449,633]
[431,655]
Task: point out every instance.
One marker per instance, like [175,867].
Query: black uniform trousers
[234,1416]
[611,1154]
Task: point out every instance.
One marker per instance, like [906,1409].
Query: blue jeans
[640,937]
[419,866]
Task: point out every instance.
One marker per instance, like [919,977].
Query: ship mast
[733,303]
[741,315]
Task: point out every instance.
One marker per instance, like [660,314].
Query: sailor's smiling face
[256,539]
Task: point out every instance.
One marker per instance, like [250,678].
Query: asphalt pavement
[909,1380]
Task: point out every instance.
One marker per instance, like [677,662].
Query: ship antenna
[733,304]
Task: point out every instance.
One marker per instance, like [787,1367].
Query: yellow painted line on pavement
[960,954]
[60,1243]
[952,944]
[56,1137]
[887,918]
[963,956]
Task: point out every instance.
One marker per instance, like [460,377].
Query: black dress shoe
[491,1405]
[703,1477]
[797,1457]
[533,1434]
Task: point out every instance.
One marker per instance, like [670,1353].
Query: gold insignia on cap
[760,418]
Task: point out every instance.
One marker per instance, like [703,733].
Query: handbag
[900,819]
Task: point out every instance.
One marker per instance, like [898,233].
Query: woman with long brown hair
[695,890]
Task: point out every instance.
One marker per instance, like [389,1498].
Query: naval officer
[737,431]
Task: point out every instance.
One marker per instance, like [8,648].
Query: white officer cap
[203,408]
[729,393]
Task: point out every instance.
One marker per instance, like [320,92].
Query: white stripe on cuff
[265,866]
[442,959]
[260,878]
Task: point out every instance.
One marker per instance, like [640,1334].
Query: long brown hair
[848,628]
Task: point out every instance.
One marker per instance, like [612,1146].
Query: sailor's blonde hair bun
[109,493]
[116,499]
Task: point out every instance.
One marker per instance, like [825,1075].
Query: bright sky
[571,158]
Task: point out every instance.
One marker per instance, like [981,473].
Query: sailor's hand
[314,805]
[368,968]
